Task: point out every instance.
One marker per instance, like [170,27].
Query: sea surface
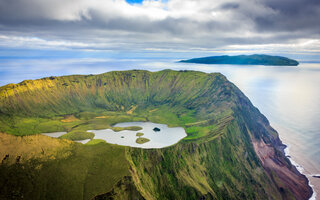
[289,96]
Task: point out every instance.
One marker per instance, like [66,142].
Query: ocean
[289,96]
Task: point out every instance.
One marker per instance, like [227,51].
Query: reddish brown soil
[284,175]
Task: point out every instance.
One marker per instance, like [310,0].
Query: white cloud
[175,24]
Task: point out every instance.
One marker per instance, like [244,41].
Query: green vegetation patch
[69,118]
[142,140]
[139,134]
[77,135]
[129,128]
[80,172]
[87,115]
[95,141]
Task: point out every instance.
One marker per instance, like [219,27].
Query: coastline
[286,152]
[285,148]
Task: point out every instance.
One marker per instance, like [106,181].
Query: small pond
[157,139]
[152,135]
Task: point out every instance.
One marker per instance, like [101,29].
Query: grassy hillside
[217,160]
[40,167]
[256,59]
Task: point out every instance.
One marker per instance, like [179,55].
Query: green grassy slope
[215,161]
[63,171]
[38,106]
[111,91]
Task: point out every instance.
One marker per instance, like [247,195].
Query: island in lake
[256,59]
[142,140]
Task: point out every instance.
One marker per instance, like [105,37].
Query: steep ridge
[231,152]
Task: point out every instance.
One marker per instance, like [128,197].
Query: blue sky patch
[134,1]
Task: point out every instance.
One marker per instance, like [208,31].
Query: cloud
[229,5]
[172,24]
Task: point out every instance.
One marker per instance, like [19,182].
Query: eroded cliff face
[267,145]
[287,177]
[231,152]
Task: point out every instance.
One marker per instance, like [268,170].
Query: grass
[142,140]
[132,110]
[95,141]
[129,128]
[38,147]
[69,118]
[50,168]
[18,125]
[78,135]
[139,134]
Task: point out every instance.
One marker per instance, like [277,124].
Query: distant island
[256,59]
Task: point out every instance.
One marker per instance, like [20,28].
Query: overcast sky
[227,26]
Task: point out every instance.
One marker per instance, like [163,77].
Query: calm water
[55,135]
[165,137]
[288,96]
[58,134]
